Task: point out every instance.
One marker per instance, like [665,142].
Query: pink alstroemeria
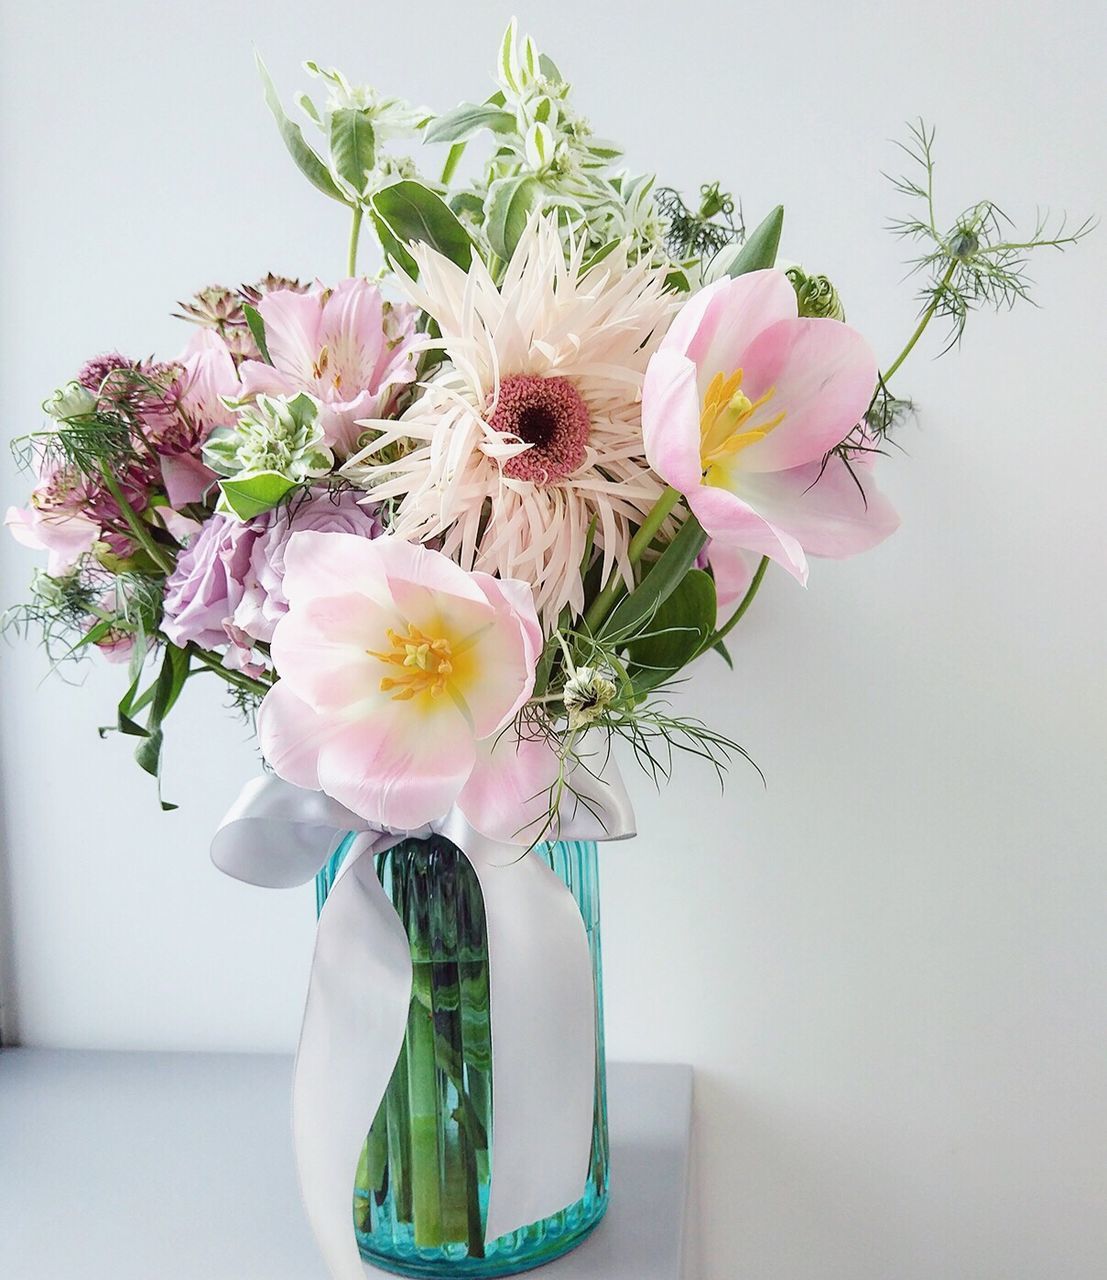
[345,346]
[208,374]
[66,537]
[398,671]
[742,404]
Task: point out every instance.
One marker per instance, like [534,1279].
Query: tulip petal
[733,570]
[716,326]
[325,647]
[735,524]
[334,564]
[507,796]
[291,735]
[821,374]
[397,769]
[829,511]
[671,420]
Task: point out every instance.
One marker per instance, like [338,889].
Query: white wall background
[889,968]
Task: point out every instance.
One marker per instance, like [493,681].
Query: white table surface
[178,1166]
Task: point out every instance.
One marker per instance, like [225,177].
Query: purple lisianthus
[263,602]
[203,591]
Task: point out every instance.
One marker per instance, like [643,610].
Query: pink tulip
[345,346]
[398,672]
[741,405]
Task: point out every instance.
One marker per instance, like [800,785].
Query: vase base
[430,1268]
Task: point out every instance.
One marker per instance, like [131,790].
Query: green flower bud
[70,401]
[815,295]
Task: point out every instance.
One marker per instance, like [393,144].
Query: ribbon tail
[543,1017]
[353,1030]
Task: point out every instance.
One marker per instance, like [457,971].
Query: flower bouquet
[449,534]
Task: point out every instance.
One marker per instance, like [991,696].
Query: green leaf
[167,689]
[596,258]
[676,632]
[549,69]
[636,609]
[465,120]
[256,326]
[720,648]
[250,495]
[759,251]
[307,160]
[510,203]
[468,202]
[392,249]
[353,146]
[413,213]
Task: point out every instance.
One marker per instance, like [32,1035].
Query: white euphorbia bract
[401,675]
[741,407]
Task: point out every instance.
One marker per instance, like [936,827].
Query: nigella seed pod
[964,244]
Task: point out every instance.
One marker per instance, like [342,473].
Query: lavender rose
[263,601]
[203,591]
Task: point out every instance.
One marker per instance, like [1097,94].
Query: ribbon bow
[541,997]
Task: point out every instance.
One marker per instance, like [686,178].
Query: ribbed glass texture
[420,1198]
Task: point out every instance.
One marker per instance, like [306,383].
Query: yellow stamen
[726,411]
[425,664]
[320,365]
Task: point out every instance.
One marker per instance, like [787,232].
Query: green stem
[425,1155]
[355,235]
[237,678]
[452,158]
[141,533]
[920,328]
[599,609]
[739,613]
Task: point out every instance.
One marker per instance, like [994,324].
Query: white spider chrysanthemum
[530,434]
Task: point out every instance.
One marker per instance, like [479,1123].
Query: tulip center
[726,423]
[548,415]
[424,664]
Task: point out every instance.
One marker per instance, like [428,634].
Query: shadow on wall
[9,1012]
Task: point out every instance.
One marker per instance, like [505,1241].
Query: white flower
[530,438]
[587,694]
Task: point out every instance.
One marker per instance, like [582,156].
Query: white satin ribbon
[541,998]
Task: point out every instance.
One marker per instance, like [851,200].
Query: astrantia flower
[742,407]
[398,671]
[531,435]
[344,346]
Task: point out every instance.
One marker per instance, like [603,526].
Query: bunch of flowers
[451,530]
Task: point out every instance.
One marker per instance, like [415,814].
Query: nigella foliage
[700,234]
[978,259]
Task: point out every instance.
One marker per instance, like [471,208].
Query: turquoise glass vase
[420,1196]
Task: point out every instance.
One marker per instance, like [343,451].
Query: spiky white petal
[549,318]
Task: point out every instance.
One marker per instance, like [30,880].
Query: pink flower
[208,374]
[65,537]
[741,405]
[345,346]
[207,585]
[263,602]
[68,514]
[398,671]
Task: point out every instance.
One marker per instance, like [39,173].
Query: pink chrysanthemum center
[549,415]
